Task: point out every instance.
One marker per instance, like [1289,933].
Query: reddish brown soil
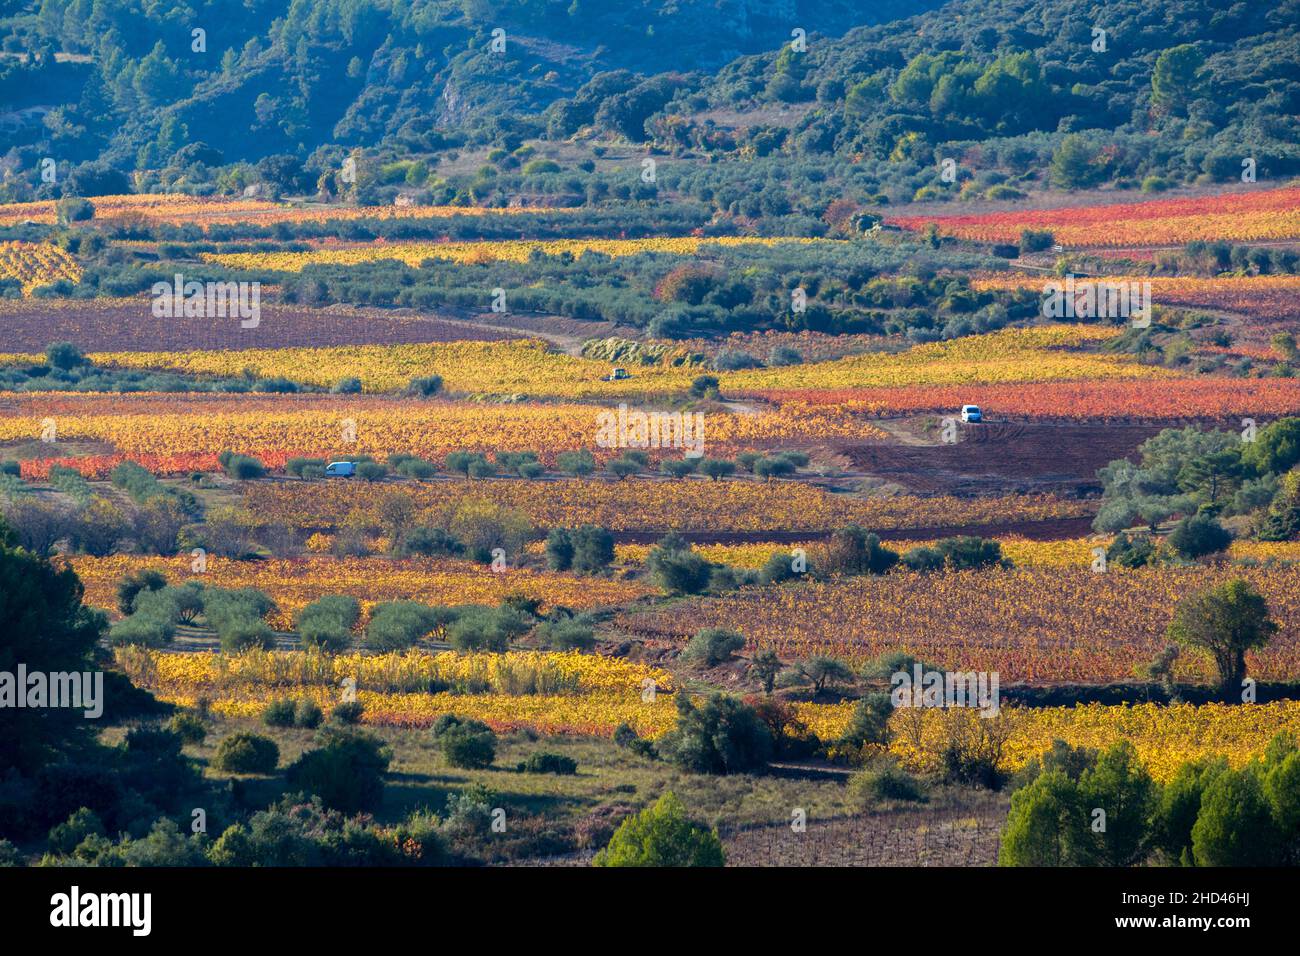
[1005,458]
[128,326]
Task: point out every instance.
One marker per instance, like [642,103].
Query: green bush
[661,835]
[576,463]
[295,466]
[544,762]
[713,646]
[429,542]
[346,771]
[465,743]
[67,836]
[247,753]
[593,549]
[722,736]
[328,621]
[244,468]
[559,549]
[348,712]
[188,726]
[567,635]
[675,568]
[307,714]
[398,625]
[885,781]
[278,712]
[1199,535]
[425,386]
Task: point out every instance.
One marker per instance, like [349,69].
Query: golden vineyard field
[657,505]
[36,264]
[296,582]
[179,209]
[533,369]
[1032,625]
[327,426]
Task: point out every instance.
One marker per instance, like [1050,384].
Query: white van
[340,469]
[971,413]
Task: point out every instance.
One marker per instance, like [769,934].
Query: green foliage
[188,726]
[399,625]
[1225,621]
[675,568]
[246,753]
[44,625]
[722,736]
[661,835]
[1199,535]
[543,762]
[465,743]
[713,646]
[328,621]
[346,770]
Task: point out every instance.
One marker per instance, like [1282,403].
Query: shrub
[922,558]
[566,635]
[484,628]
[371,471]
[1197,536]
[425,386]
[1131,552]
[559,549]
[713,646]
[885,781]
[398,625]
[852,550]
[328,621]
[593,549]
[783,355]
[347,386]
[704,385]
[348,712]
[722,736]
[132,584]
[188,726]
[278,712]
[870,721]
[678,570]
[716,468]
[970,552]
[297,466]
[429,542]
[413,467]
[67,836]
[307,714]
[142,630]
[576,463]
[469,744]
[247,753]
[544,762]
[661,835]
[64,356]
[346,771]
[241,635]
[734,360]
[244,468]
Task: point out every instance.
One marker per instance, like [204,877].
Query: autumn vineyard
[876,444]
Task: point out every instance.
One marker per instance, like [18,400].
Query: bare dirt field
[1005,458]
